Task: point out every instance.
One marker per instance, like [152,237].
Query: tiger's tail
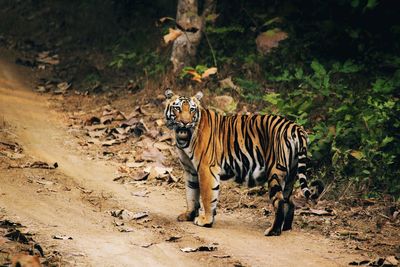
[316,186]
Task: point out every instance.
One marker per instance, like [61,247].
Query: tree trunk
[185,46]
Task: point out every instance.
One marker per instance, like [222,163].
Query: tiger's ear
[168,93]
[199,95]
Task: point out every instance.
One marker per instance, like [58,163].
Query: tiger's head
[182,115]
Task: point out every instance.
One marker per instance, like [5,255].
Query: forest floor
[113,197]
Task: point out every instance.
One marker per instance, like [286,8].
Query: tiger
[251,149]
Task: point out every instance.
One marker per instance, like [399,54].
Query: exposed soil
[67,210]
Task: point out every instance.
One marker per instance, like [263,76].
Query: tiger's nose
[186,120]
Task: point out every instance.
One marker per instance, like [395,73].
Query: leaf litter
[206,248]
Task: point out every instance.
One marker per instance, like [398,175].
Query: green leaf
[371,4]
[318,68]
[355,3]
[387,140]
[383,86]
[272,98]
[271,21]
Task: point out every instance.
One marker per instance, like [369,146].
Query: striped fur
[252,149]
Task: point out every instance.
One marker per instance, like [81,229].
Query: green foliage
[149,63]
[355,127]
[250,89]
[224,30]
[200,69]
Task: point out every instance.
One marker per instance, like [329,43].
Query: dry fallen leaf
[172,35]
[143,193]
[110,142]
[228,83]
[125,229]
[200,248]
[135,164]
[97,134]
[162,146]
[173,238]
[62,237]
[140,215]
[153,154]
[325,212]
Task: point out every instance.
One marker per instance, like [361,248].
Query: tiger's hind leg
[289,214]
[278,202]
[289,206]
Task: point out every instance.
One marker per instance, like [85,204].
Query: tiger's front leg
[209,191]
[192,197]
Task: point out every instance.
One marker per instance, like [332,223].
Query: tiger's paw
[186,216]
[201,220]
[272,232]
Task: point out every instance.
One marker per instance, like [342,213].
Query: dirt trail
[44,137]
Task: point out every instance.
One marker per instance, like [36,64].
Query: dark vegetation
[337,73]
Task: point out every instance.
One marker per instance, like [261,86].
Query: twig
[212,50]
[327,188]
[345,191]
[384,216]
[251,18]
[7,131]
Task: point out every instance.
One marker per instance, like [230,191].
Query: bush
[354,126]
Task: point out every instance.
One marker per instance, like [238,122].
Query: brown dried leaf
[110,142]
[211,247]
[107,119]
[325,212]
[143,193]
[172,35]
[135,164]
[160,122]
[270,39]
[142,176]
[163,19]
[195,76]
[173,238]
[158,172]
[97,134]
[208,72]
[228,83]
[153,133]
[91,121]
[95,127]
[166,137]
[153,154]
[162,146]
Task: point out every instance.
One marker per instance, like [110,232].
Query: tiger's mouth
[183,136]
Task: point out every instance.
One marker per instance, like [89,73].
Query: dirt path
[95,237]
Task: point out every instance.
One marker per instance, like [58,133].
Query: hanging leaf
[195,76]
[208,72]
[172,35]
[163,19]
